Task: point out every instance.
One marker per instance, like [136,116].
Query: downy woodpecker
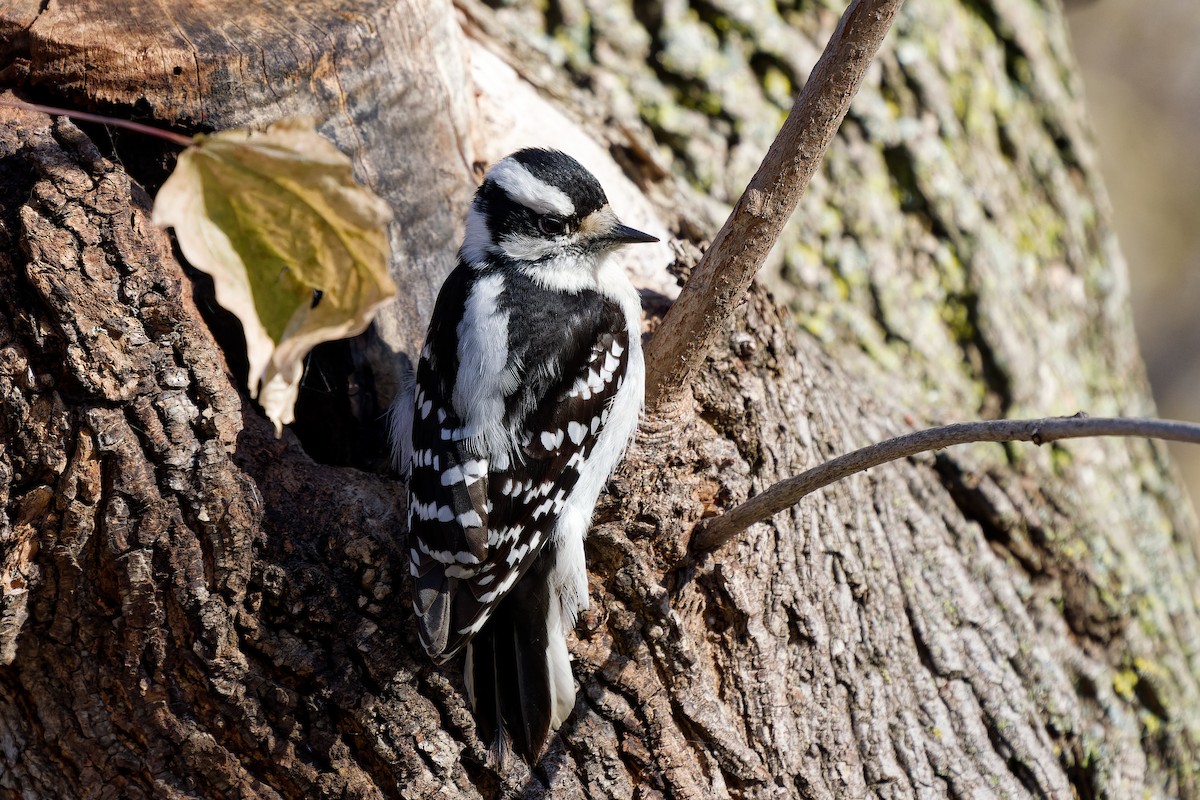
[526,394]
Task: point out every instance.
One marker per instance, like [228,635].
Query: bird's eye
[551,225]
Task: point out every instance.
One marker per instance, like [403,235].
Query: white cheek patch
[521,185]
[522,247]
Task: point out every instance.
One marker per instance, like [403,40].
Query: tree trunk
[192,608]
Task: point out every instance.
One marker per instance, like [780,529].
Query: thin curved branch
[129,125]
[723,275]
[715,532]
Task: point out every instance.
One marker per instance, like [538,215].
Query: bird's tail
[518,671]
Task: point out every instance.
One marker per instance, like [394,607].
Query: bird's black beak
[623,234]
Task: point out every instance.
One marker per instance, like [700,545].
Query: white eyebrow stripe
[533,193]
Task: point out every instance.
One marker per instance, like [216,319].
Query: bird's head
[544,213]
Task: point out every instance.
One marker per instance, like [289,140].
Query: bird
[526,394]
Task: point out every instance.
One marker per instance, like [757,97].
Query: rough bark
[193,609]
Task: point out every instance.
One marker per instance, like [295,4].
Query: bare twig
[148,130]
[722,277]
[719,530]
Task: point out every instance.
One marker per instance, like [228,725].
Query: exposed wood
[386,81]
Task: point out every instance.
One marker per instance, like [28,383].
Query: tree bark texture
[194,609]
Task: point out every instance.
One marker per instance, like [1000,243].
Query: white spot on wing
[581,388]
[552,441]
[470,519]
[576,431]
[469,472]
[517,554]
[488,597]
[445,556]
[499,536]
[476,626]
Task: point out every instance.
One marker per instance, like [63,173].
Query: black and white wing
[518,669]
[479,519]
